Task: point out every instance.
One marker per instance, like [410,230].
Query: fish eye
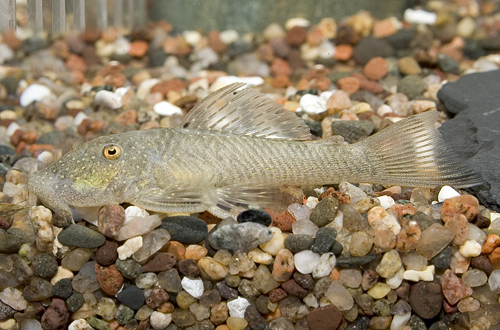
[112,152]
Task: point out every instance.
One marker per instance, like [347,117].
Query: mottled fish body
[234,150]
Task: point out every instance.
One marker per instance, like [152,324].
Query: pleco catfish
[234,150]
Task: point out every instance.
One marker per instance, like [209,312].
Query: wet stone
[80,236]
[339,296]
[44,265]
[324,318]
[160,262]
[361,244]
[304,280]
[74,302]
[325,237]
[37,290]
[426,299]
[353,262]
[325,211]
[185,229]
[240,237]
[107,254]
[56,316]
[253,215]
[129,268]
[131,296]
[62,288]
[298,242]
[433,240]
[97,324]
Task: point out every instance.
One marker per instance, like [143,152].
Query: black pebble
[63,288]
[131,296]
[442,260]
[337,248]
[257,216]
[44,265]
[74,302]
[325,237]
[184,229]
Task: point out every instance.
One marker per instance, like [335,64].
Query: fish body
[235,150]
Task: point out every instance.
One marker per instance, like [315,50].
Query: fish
[235,150]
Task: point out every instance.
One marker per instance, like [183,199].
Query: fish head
[100,172]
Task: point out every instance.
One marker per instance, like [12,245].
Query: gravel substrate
[347,256]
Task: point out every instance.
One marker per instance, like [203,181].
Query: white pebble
[46,157]
[80,324]
[494,281]
[165,108]
[130,246]
[276,243]
[384,109]
[146,280]
[81,116]
[420,275]
[325,265]
[8,114]
[386,201]
[227,80]
[14,298]
[145,87]
[311,202]
[160,320]
[312,104]
[33,93]
[260,257]
[229,36]
[311,301]
[30,324]
[12,128]
[306,261]
[447,192]
[326,49]
[304,227]
[192,37]
[122,91]
[60,274]
[63,122]
[470,249]
[419,16]
[108,99]
[193,286]
[395,281]
[132,212]
[399,321]
[5,53]
[392,222]
[237,307]
[122,45]
[297,21]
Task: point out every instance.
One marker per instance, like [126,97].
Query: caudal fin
[411,152]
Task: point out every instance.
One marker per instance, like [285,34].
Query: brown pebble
[284,221]
[296,36]
[138,48]
[481,221]
[369,279]
[110,219]
[161,261]
[189,268]
[165,86]
[376,68]
[215,42]
[343,52]
[109,278]
[464,204]
[408,237]
[380,322]
[482,263]
[349,84]
[281,81]
[280,67]
[426,299]
[156,298]
[459,225]
[106,255]
[294,289]
[276,295]
[175,248]
[324,318]
[283,266]
[453,287]
[126,118]
[56,317]
[495,258]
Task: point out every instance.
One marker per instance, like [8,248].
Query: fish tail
[411,152]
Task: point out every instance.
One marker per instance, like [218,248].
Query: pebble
[470,249]
[298,242]
[110,219]
[493,281]
[447,192]
[56,316]
[324,318]
[254,215]
[240,237]
[325,211]
[110,279]
[339,296]
[379,290]
[420,275]
[164,108]
[237,307]
[152,242]
[275,244]
[80,236]
[193,286]
[106,254]
[33,93]
[108,99]
[132,297]
[128,268]
[323,242]
[13,298]
[453,287]
[184,229]
[62,288]
[44,265]
[312,104]
[325,265]
[376,68]
[306,261]
[433,240]
[411,86]
[474,278]
[128,248]
[137,225]
[426,299]
[464,204]
[283,265]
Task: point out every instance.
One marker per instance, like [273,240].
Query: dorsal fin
[245,112]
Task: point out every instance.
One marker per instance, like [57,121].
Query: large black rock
[474,132]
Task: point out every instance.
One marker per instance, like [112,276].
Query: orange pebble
[195,252]
[335,274]
[491,243]
[176,248]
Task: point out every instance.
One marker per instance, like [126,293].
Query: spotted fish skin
[234,150]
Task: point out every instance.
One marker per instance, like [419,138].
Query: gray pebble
[74,302]
[412,86]
[44,265]
[325,237]
[80,236]
[184,229]
[299,242]
[325,211]
[11,241]
[129,268]
[240,237]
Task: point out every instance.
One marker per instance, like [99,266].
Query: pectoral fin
[220,201]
